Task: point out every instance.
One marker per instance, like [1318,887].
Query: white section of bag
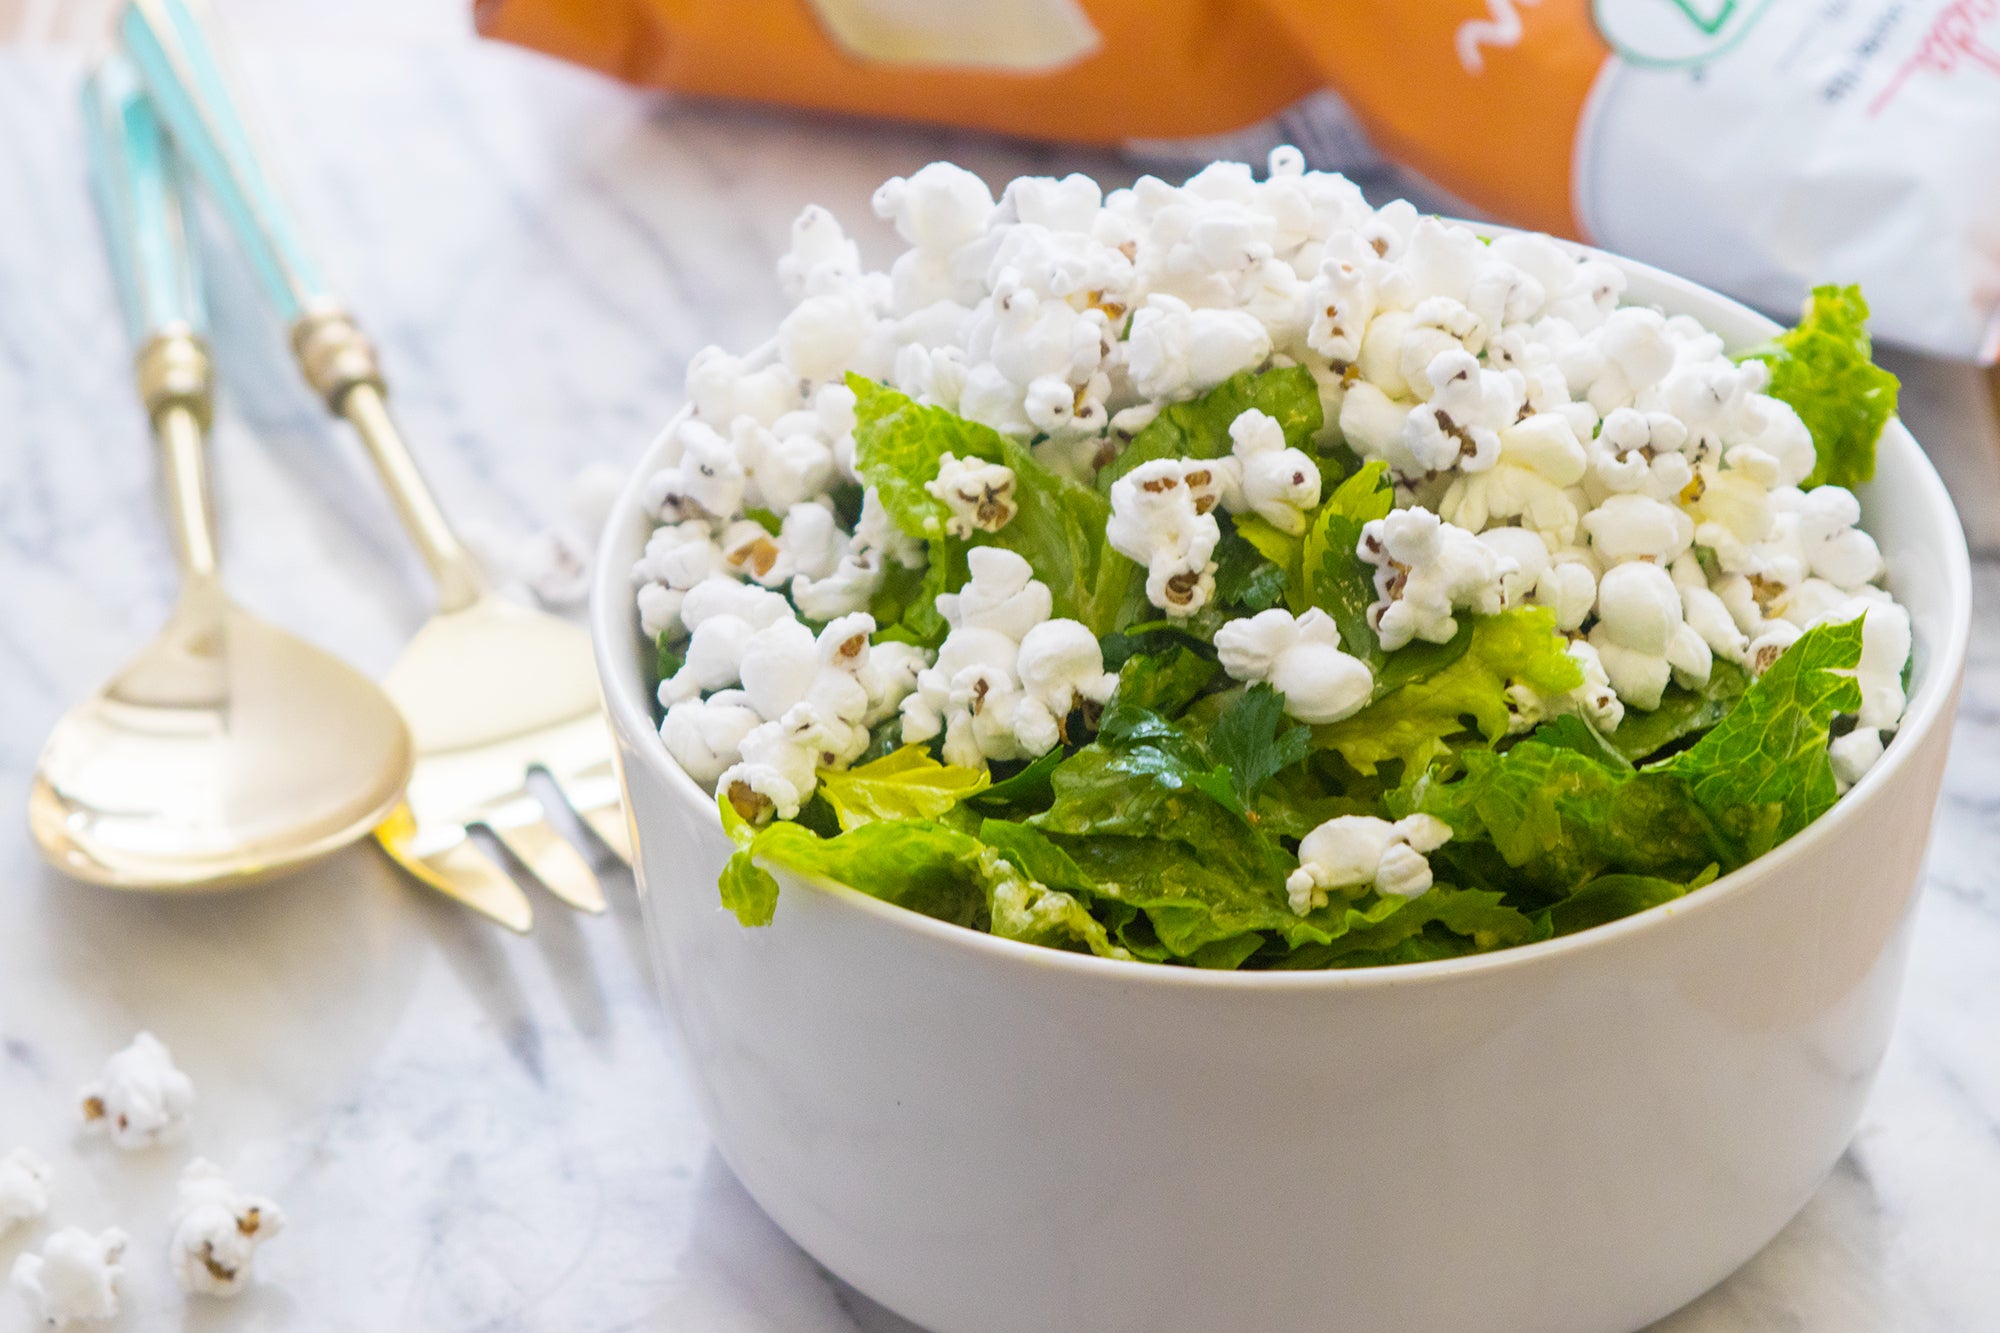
[1833,141]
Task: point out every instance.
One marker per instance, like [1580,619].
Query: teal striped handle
[176,56]
[143,199]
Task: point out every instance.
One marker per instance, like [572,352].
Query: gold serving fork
[492,691]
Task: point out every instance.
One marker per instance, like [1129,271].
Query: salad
[1237,575]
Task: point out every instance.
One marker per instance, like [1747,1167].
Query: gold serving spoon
[228,750]
[493,692]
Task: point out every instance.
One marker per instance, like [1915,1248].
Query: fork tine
[559,867]
[589,783]
[593,794]
[461,872]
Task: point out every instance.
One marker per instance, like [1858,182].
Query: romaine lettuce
[1824,369]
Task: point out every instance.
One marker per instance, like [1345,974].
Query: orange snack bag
[1754,145]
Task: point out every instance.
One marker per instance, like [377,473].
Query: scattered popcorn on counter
[24,1188]
[75,1277]
[140,1099]
[217,1230]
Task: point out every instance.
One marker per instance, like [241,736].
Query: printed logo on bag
[1674,32]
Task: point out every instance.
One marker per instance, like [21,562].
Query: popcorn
[973,663]
[723,388]
[1834,548]
[1175,351]
[1637,355]
[823,335]
[1301,658]
[1540,461]
[1342,299]
[1594,698]
[1354,853]
[1156,521]
[217,1230]
[781,759]
[972,693]
[1002,594]
[1706,614]
[979,494]
[1061,669]
[720,595]
[24,1188]
[936,209]
[708,481]
[1773,428]
[139,1099]
[1641,452]
[1633,527]
[820,258]
[1465,409]
[714,656]
[1372,423]
[704,734]
[1548,447]
[1641,636]
[1265,477]
[1567,584]
[75,1277]
[1426,568]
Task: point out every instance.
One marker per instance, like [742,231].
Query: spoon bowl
[227,752]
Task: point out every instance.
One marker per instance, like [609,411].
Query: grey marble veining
[472,1131]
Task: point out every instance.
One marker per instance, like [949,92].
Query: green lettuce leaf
[1194,894]
[907,784]
[1332,576]
[1683,713]
[1762,772]
[1199,428]
[1028,786]
[1559,817]
[923,866]
[1021,907]
[1560,813]
[1611,897]
[1163,682]
[1245,577]
[1135,742]
[1059,528]
[941,872]
[1825,369]
[1473,920]
[1251,741]
[1412,723]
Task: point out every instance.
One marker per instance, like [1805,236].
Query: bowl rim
[1930,708]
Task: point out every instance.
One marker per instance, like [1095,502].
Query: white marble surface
[472,1131]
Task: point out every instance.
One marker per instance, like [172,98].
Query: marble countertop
[476,1131]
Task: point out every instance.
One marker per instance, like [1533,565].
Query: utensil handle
[142,199]
[185,73]
[179,61]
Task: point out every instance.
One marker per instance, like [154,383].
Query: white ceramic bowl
[1577,1135]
